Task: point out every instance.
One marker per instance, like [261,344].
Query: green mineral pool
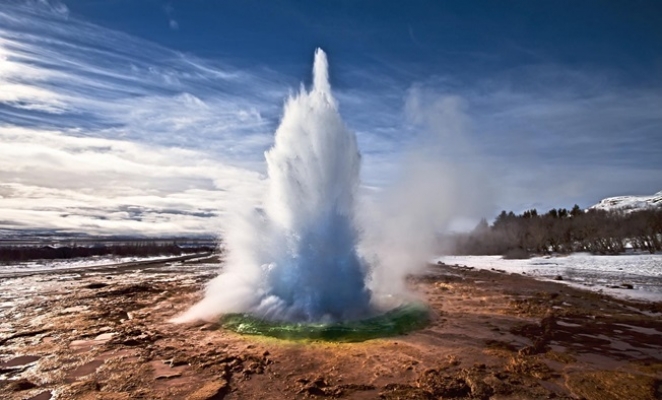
[395,322]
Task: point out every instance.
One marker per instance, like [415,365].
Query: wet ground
[104,334]
[633,276]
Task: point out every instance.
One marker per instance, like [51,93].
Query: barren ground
[103,334]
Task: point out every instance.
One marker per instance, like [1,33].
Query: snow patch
[629,203]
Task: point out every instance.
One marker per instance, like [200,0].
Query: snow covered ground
[642,271]
[629,203]
[83,262]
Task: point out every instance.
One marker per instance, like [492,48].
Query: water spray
[293,269]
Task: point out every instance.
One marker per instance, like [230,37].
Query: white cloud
[547,136]
[31,98]
[106,133]
[55,181]
[170,11]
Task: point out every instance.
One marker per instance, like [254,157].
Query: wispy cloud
[549,135]
[53,7]
[58,181]
[107,79]
[96,123]
[170,12]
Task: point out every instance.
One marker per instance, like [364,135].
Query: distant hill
[629,203]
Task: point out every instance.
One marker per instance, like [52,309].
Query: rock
[85,369]
[442,385]
[357,387]
[211,391]
[558,278]
[314,390]
[479,389]
[176,362]
[164,371]
[42,396]
[226,372]
[21,384]
[96,285]
[208,327]
[22,334]
[320,382]
[627,286]
[84,386]
[319,387]
[168,376]
[104,337]
[321,391]
[19,361]
[398,391]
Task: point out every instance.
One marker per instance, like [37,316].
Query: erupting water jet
[294,265]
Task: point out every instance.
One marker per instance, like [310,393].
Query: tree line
[139,249]
[564,231]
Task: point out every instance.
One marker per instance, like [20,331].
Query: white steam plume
[440,182]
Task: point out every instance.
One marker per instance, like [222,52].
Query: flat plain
[103,333]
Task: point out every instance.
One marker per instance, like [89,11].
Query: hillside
[629,203]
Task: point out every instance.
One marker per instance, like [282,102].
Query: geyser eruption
[296,259]
[314,174]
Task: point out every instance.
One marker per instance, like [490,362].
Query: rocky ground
[104,334]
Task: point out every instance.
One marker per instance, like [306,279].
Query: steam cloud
[440,183]
[307,256]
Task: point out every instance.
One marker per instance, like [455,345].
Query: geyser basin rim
[398,321]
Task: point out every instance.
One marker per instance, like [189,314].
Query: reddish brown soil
[105,335]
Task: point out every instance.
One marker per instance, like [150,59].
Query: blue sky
[132,116]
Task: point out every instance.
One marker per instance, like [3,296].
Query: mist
[441,185]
